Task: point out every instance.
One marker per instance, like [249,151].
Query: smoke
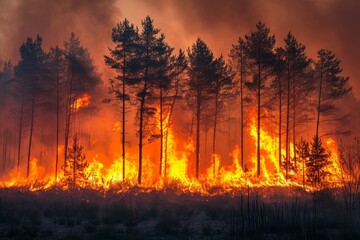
[316,23]
[92,20]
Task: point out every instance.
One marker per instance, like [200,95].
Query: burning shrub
[75,165]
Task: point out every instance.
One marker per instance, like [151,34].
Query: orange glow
[176,163]
[83,101]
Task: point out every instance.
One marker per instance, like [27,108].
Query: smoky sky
[54,20]
[332,24]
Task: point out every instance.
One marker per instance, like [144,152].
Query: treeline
[277,85]
[44,86]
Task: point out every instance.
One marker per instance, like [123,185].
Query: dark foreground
[271,213]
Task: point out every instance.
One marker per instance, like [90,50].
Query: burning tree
[75,165]
[259,52]
[124,60]
[201,78]
[317,161]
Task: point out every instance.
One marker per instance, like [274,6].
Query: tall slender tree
[220,89]
[81,77]
[295,62]
[259,51]
[240,62]
[200,71]
[123,59]
[57,64]
[33,69]
[331,85]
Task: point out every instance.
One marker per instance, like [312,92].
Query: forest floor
[261,213]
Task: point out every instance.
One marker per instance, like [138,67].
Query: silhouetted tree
[295,62]
[33,70]
[170,72]
[220,90]
[201,77]
[259,52]
[82,78]
[303,152]
[240,62]
[57,62]
[75,164]
[123,58]
[331,86]
[146,83]
[318,160]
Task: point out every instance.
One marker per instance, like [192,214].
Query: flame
[176,163]
[83,101]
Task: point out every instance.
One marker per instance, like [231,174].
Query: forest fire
[176,170]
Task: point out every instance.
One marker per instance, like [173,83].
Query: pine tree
[124,60]
[57,62]
[82,78]
[295,62]
[259,52]
[75,165]
[318,160]
[201,77]
[32,70]
[331,86]
[220,90]
[240,63]
[303,152]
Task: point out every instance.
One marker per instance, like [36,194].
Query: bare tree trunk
[20,128]
[258,115]
[141,136]
[31,134]
[242,115]
[68,116]
[198,107]
[294,121]
[280,120]
[319,103]
[161,132]
[74,165]
[287,159]
[123,114]
[57,119]
[214,133]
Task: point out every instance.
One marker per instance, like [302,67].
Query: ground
[261,213]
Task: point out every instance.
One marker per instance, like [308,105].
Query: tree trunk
[141,137]
[74,165]
[198,107]
[31,134]
[287,159]
[280,121]
[319,103]
[242,114]
[214,133]
[161,133]
[20,128]
[294,122]
[123,115]
[57,119]
[68,116]
[258,115]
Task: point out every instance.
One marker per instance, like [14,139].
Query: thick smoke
[92,20]
[316,23]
